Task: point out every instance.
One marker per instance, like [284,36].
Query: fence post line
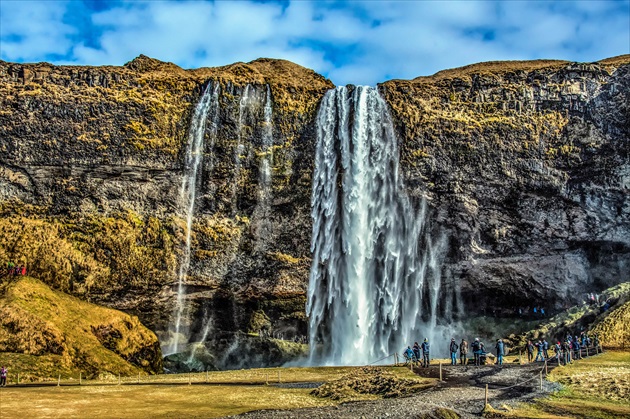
[486,397]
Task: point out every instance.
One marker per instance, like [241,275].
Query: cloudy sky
[360,42]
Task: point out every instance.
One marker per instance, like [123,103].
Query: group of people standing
[566,350]
[13,269]
[414,354]
[477,347]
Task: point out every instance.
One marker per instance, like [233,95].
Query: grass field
[595,387]
[234,395]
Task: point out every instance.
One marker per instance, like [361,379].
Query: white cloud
[351,42]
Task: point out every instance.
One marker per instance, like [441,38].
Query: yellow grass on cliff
[44,333]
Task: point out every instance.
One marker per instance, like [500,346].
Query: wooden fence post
[279,376]
[80,377]
[486,396]
[18,378]
[520,360]
[206,376]
[118,378]
[58,380]
[189,378]
[541,381]
[587,351]
[267,379]
[546,372]
[440,371]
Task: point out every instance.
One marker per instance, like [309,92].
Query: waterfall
[243,104]
[375,282]
[263,208]
[209,102]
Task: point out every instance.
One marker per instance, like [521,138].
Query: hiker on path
[539,351]
[453,348]
[416,351]
[477,349]
[545,349]
[463,351]
[425,353]
[530,351]
[500,347]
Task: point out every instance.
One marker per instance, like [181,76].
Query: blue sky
[359,42]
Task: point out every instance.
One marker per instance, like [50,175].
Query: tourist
[409,354]
[3,376]
[463,351]
[22,270]
[425,353]
[545,349]
[453,349]
[558,349]
[569,347]
[500,347]
[476,348]
[530,351]
[576,348]
[416,351]
[539,351]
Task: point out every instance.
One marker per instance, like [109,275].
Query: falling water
[243,104]
[375,277]
[209,102]
[263,208]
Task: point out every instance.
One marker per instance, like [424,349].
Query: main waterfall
[375,282]
[209,103]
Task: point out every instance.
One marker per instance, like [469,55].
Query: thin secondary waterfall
[209,103]
[263,207]
[375,277]
[243,105]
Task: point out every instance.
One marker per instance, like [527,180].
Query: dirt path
[463,391]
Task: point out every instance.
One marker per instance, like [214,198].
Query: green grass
[595,387]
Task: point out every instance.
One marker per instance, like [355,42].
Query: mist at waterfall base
[376,283]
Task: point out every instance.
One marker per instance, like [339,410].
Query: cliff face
[528,172]
[525,165]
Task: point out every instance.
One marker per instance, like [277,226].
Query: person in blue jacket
[453,348]
[500,347]
[425,353]
[539,351]
[409,353]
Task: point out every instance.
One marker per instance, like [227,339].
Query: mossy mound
[371,381]
[44,332]
[614,329]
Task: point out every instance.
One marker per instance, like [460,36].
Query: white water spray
[376,272]
[209,103]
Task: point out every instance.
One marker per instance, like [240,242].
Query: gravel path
[463,391]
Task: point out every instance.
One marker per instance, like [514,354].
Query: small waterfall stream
[376,271]
[209,103]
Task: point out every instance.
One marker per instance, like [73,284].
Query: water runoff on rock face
[375,283]
[208,104]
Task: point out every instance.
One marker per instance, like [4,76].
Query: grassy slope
[44,332]
[595,387]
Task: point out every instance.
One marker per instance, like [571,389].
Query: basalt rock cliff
[525,166]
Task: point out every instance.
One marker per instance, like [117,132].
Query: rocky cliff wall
[525,166]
